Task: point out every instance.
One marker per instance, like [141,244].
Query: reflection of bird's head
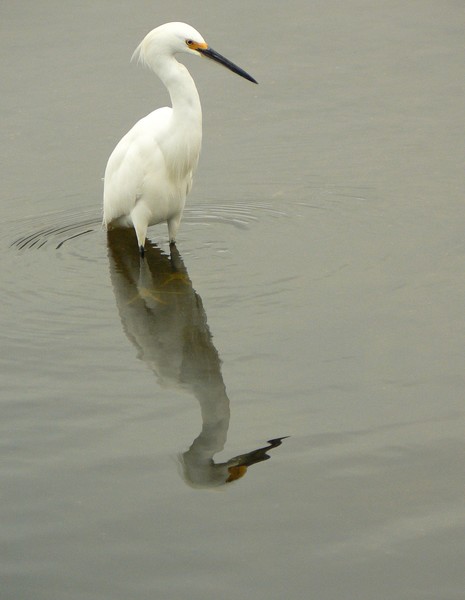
[208,474]
[205,473]
[202,474]
[239,464]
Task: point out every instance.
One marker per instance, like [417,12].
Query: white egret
[149,173]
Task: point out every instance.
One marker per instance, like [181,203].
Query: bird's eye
[189,42]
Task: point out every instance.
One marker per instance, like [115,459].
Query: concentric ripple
[56,228]
[62,227]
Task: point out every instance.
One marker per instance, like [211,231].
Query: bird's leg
[173,226]
[140,219]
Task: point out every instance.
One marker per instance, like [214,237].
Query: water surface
[316,292]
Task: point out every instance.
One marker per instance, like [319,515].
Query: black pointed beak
[210,53]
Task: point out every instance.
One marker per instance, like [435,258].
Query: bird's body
[149,173]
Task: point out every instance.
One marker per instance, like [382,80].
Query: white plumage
[149,173]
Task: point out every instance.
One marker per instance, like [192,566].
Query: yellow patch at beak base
[197,45]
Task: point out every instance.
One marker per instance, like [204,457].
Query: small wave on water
[61,227]
[56,228]
[239,214]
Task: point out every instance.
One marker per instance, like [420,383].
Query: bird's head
[174,38]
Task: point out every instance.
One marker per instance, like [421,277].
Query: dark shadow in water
[163,316]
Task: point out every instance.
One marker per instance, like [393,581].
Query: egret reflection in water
[163,316]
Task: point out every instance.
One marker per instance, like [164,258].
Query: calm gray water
[317,292]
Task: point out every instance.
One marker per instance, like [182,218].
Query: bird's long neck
[183,93]
[181,145]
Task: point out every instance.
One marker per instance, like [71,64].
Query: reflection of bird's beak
[210,53]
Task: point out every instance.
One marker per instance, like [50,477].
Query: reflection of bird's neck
[199,467]
[214,406]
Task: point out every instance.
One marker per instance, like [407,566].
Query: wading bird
[149,173]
